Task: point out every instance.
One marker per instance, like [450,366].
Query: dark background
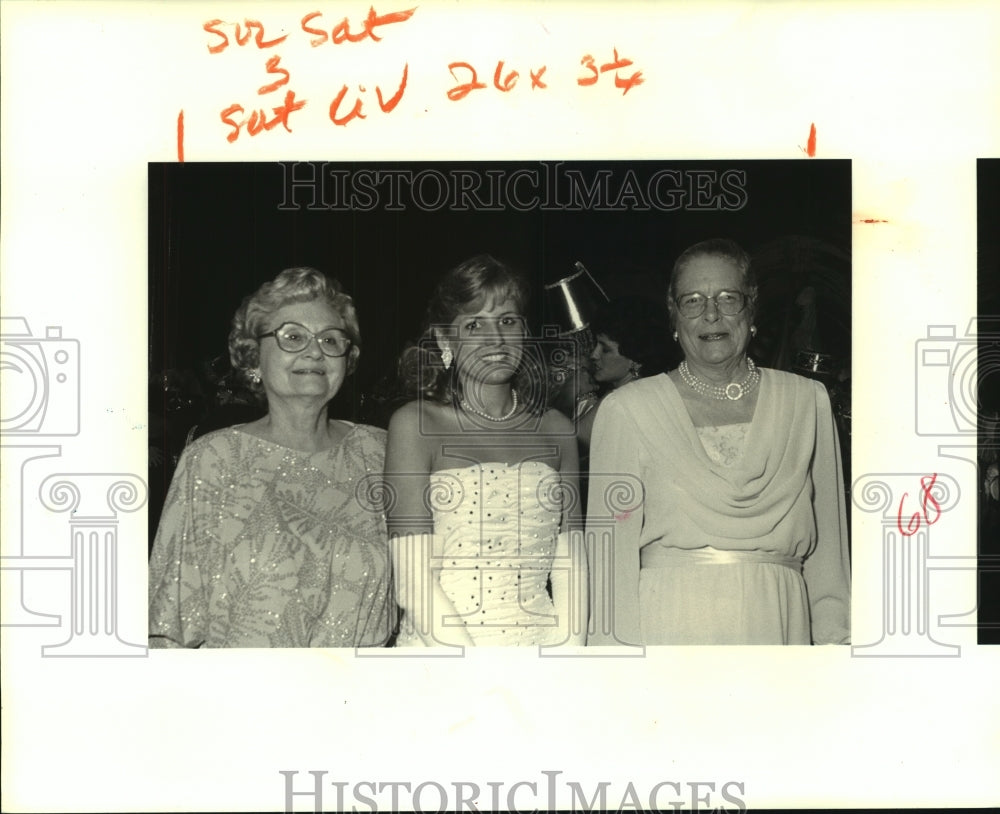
[988,290]
[216,232]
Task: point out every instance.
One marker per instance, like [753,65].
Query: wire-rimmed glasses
[294,338]
[728,303]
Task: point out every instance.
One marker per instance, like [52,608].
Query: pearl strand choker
[513,409]
[733,391]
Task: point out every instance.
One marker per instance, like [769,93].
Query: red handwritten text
[467,78]
[242,37]
[258,120]
[341,32]
[626,83]
[356,110]
[272,67]
[347,104]
[501,81]
[927,499]
[463,89]
[180,137]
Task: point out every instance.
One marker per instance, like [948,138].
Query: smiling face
[307,374]
[608,366]
[712,340]
[487,343]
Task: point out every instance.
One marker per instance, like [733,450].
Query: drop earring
[675,336]
[255,376]
[446,357]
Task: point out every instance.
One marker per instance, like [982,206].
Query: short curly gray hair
[715,247]
[301,284]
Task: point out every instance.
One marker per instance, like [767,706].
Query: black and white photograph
[537,406]
[482,316]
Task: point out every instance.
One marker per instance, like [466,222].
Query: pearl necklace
[513,409]
[733,391]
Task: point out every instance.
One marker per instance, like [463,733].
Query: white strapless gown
[496,527]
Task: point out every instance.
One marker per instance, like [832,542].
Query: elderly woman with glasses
[717,503]
[268,538]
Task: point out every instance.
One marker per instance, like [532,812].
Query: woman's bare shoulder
[404,415]
[555,422]
[417,419]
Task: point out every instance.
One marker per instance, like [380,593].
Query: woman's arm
[178,599]
[585,427]
[411,533]
[569,576]
[615,509]
[827,571]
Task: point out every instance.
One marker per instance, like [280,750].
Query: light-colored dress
[496,527]
[718,535]
[260,545]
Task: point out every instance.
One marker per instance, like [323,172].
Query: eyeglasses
[693,305]
[294,338]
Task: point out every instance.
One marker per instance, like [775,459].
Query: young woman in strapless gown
[481,480]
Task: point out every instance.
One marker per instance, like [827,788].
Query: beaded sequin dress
[496,527]
[260,545]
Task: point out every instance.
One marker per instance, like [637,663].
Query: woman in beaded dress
[481,480]
[268,538]
[717,504]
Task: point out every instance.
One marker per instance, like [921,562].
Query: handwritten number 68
[927,500]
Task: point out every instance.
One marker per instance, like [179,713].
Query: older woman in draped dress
[730,522]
